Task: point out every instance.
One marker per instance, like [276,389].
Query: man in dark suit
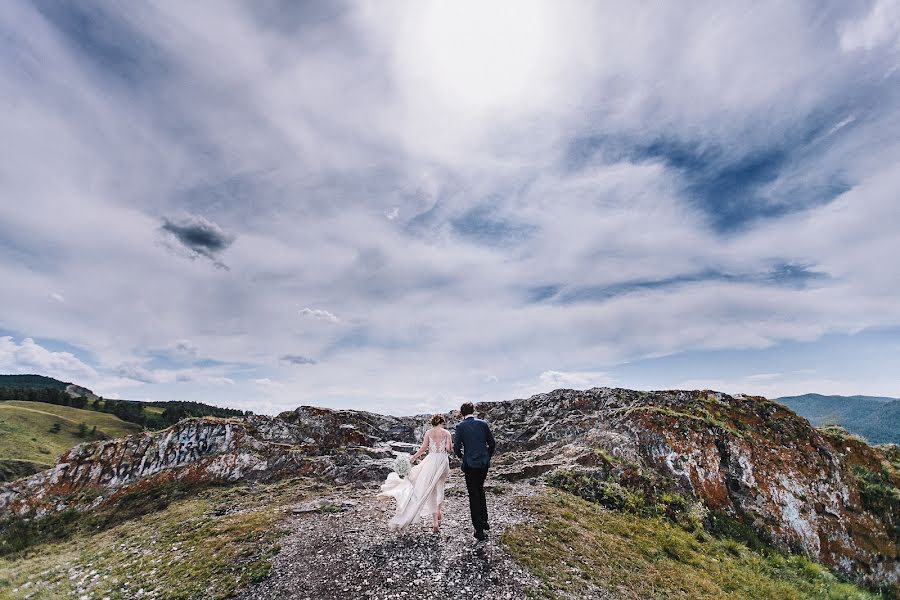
[474,445]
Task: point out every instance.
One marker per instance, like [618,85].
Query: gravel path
[351,554]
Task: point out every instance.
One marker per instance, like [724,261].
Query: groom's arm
[457,442]
[491,444]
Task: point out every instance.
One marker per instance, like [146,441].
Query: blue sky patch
[482,225]
[782,274]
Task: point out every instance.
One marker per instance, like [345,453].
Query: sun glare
[482,55]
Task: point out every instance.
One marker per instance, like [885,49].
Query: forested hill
[32,382]
[875,418]
[151,415]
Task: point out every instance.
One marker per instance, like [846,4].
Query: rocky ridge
[745,457]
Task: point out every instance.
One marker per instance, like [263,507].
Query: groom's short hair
[467,409]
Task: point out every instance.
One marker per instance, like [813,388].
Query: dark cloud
[198,237]
[296,359]
[107,41]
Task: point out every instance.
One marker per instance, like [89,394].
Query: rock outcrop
[827,495]
[747,457]
[198,451]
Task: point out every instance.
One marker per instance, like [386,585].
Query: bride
[421,493]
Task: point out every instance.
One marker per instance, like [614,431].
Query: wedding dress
[421,492]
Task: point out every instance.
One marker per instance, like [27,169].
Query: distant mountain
[876,418]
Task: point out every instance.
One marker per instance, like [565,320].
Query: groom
[474,444]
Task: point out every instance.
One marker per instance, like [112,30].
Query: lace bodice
[439,442]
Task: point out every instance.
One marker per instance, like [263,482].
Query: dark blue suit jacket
[475,437]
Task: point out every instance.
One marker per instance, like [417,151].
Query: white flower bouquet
[401,465]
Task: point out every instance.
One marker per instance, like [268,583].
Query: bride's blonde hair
[437,420]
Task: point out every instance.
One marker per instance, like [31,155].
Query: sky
[399,206]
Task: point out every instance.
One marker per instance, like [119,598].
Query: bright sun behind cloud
[476,56]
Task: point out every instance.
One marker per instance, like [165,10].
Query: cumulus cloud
[28,356]
[318,314]
[575,379]
[297,359]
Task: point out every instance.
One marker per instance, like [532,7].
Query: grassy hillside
[576,546]
[151,415]
[30,440]
[875,418]
[178,543]
[171,543]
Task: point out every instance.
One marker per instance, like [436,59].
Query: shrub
[645,499]
[724,526]
[606,493]
[880,496]
[17,534]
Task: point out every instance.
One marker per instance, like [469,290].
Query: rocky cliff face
[747,457]
[195,451]
[827,495]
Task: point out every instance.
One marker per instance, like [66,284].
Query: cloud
[318,314]
[781,274]
[296,359]
[880,26]
[611,186]
[186,347]
[197,237]
[575,379]
[58,297]
[155,376]
[28,356]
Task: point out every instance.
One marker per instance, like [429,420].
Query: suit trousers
[477,501]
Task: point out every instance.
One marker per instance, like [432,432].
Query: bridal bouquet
[401,465]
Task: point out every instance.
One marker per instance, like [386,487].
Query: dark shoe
[479,535]
[486,527]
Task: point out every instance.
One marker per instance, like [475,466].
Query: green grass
[201,547]
[574,545]
[26,430]
[644,494]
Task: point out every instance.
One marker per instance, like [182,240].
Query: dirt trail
[351,554]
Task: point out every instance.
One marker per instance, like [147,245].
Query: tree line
[127,410]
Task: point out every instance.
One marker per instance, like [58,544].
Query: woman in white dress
[421,493]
